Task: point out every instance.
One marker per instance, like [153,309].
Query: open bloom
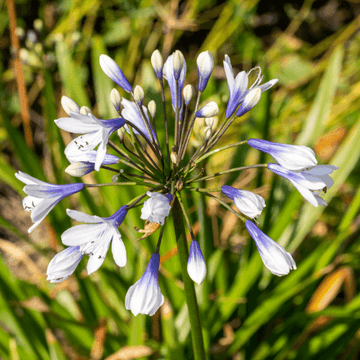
[94,237]
[63,264]
[248,203]
[156,208]
[291,157]
[274,256]
[196,266]
[145,297]
[170,77]
[42,196]
[238,86]
[97,132]
[310,183]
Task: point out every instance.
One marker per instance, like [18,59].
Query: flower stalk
[191,301]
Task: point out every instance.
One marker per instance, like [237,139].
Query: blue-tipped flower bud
[188,93]
[69,105]
[250,100]
[139,95]
[209,110]
[205,65]
[113,71]
[157,64]
[115,99]
[196,266]
[178,62]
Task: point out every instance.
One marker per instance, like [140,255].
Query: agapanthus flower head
[248,203]
[42,196]
[156,208]
[94,237]
[196,266]
[310,183]
[274,256]
[145,297]
[291,157]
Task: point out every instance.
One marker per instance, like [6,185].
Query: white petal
[118,250]
[306,193]
[82,217]
[29,180]
[78,124]
[84,233]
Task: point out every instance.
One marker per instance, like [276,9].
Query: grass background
[313,48]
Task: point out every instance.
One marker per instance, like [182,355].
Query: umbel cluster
[165,168]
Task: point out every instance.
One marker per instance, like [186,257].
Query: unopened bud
[152,108]
[115,99]
[38,48]
[139,94]
[69,105]
[205,65]
[78,169]
[208,132]
[251,99]
[209,110]
[20,32]
[209,121]
[188,93]
[85,110]
[178,62]
[157,63]
[30,58]
[121,133]
[31,36]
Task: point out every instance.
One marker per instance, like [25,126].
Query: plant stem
[192,305]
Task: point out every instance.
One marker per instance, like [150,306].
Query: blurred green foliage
[314,312]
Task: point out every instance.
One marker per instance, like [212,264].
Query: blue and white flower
[145,297]
[291,157]
[113,71]
[248,203]
[274,256]
[310,183]
[94,237]
[156,208]
[205,66]
[196,266]
[170,78]
[131,113]
[42,196]
[63,264]
[97,132]
[250,100]
[238,86]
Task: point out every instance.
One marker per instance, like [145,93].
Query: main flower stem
[192,305]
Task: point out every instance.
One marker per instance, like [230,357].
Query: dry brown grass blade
[131,352]
[97,348]
[20,76]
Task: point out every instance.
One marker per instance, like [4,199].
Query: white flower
[156,208]
[310,183]
[291,157]
[94,237]
[43,196]
[64,264]
[248,203]
[145,297]
[196,266]
[97,132]
[274,256]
